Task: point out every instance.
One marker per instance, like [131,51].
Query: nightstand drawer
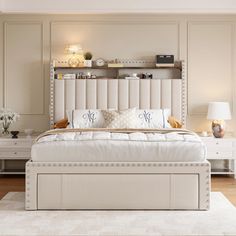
[16,143]
[219,154]
[15,154]
[218,143]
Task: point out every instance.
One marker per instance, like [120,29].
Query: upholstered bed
[118,168]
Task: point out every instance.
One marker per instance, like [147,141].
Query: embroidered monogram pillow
[120,119]
[86,118]
[156,118]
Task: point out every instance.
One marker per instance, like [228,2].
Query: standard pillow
[120,119]
[153,118]
[89,118]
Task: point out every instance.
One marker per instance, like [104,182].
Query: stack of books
[117,65]
[65,76]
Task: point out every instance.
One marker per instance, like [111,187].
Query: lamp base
[218,129]
[73,61]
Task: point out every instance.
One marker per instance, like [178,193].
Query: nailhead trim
[184,95]
[112,164]
[27,187]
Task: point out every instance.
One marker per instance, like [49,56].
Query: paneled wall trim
[23,67]
[210,58]
[205,42]
[117,38]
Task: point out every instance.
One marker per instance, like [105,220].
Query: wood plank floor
[226,185]
[11,183]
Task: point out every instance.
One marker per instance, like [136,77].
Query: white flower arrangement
[7,117]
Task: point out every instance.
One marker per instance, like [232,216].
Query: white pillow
[153,118]
[89,118]
[120,119]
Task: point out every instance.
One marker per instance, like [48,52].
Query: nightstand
[14,150]
[221,152]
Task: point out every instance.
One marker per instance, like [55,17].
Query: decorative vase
[218,129]
[5,127]
[87,63]
[14,134]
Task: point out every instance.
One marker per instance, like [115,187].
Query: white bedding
[114,147]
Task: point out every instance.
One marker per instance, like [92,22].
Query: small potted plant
[88,59]
[7,117]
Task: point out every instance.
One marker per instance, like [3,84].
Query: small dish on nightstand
[204,134]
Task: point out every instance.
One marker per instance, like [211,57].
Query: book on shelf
[132,77]
[69,76]
[165,65]
[117,65]
[66,76]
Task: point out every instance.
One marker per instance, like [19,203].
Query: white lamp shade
[219,111]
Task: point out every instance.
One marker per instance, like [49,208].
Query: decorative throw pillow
[86,118]
[156,118]
[61,124]
[174,123]
[119,119]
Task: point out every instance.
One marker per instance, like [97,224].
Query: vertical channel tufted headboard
[117,94]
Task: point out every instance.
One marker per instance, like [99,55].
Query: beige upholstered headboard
[118,94]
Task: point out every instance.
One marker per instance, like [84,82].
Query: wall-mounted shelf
[100,72]
[116,68]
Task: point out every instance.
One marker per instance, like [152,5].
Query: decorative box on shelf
[221,152]
[15,150]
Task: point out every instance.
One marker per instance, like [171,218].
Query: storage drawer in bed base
[117,191]
[117,186]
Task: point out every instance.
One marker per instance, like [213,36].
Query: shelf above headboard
[117,94]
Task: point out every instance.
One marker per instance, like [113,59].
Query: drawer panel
[102,191]
[184,191]
[16,143]
[117,191]
[219,154]
[15,154]
[218,143]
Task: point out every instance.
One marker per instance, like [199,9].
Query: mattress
[104,146]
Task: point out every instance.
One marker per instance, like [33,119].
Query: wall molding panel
[210,58]
[85,31]
[26,98]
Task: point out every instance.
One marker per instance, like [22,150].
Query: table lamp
[74,50]
[218,112]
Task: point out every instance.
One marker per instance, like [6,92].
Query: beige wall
[207,43]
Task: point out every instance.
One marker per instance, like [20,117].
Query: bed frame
[117,185]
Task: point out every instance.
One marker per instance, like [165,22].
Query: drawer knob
[15,143]
[15,153]
[217,153]
[217,143]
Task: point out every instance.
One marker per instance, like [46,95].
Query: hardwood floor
[224,184]
[11,183]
